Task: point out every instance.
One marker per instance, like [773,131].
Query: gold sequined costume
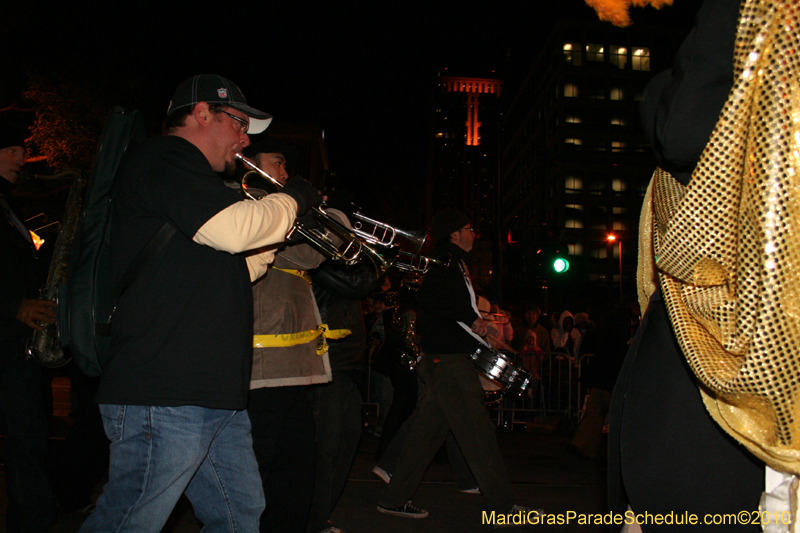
[666,454]
[726,248]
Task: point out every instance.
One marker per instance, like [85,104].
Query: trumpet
[382,234]
[353,248]
[418,263]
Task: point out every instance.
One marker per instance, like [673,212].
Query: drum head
[489,385]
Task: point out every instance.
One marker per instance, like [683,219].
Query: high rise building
[462,164]
[574,162]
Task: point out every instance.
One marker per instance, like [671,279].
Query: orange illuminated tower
[462,160]
[473,88]
[462,157]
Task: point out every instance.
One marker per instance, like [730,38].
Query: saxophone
[45,347]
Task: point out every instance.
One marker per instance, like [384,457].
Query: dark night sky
[364,71]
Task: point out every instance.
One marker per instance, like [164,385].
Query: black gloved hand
[304,193]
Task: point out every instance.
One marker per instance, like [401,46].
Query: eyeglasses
[469,228]
[243,122]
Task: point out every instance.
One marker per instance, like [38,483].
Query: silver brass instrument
[380,233]
[384,234]
[353,249]
[418,263]
[45,347]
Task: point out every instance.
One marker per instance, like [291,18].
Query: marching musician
[289,353]
[450,329]
[30,501]
[337,405]
[174,393]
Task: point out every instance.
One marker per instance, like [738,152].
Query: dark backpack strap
[156,244]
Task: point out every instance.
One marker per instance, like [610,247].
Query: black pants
[666,453]
[337,409]
[453,401]
[283,441]
[31,508]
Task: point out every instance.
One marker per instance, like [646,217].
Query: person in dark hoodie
[450,328]
[22,271]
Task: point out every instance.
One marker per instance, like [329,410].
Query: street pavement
[544,475]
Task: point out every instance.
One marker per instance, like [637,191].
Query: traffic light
[560,264]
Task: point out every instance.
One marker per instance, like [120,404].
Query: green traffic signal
[560,265]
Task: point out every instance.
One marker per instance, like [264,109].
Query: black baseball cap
[215,89]
[446,222]
[269,144]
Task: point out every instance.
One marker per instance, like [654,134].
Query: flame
[616,11]
[37,241]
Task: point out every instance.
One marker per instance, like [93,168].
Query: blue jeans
[157,453]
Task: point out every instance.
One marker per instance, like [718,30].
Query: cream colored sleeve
[257,264]
[247,225]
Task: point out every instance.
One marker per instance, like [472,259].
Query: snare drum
[492,392]
[499,369]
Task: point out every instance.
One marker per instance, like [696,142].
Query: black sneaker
[407,511]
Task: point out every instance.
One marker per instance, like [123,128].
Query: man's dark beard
[230,168]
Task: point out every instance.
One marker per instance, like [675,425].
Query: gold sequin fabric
[725,249]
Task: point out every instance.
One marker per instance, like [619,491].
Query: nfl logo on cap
[223,92]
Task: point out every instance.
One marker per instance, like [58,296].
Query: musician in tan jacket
[289,353]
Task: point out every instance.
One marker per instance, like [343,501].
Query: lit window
[619,210]
[641,59]
[573,185]
[439,135]
[575,249]
[619,185]
[617,93]
[570,90]
[572,54]
[573,142]
[573,223]
[618,122]
[599,253]
[619,225]
[573,120]
[576,207]
[594,52]
[618,146]
[618,56]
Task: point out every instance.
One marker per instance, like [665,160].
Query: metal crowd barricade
[558,394]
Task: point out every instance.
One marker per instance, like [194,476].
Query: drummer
[450,329]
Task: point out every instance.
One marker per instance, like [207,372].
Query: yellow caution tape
[299,273]
[293,339]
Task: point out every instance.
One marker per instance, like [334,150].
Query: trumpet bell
[377,232]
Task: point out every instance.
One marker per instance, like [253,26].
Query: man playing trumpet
[289,353]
